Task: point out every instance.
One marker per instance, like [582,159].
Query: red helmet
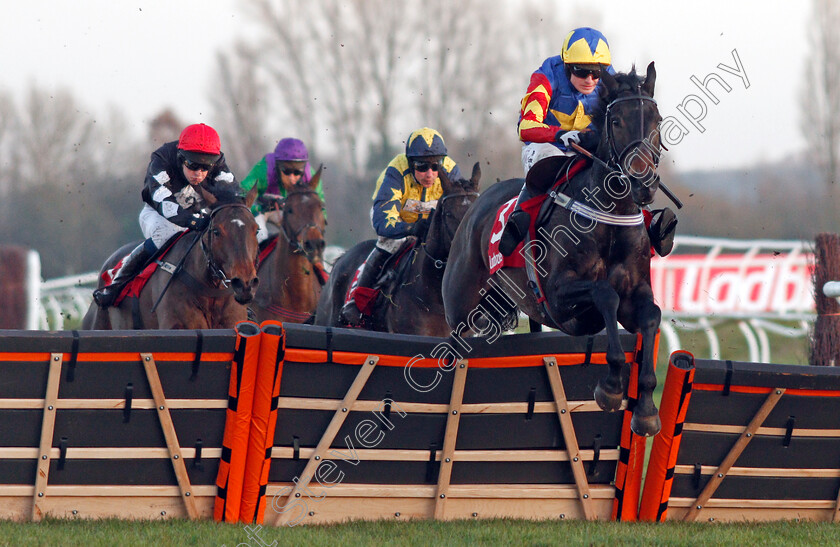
[199,143]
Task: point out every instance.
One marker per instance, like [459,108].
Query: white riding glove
[569,137]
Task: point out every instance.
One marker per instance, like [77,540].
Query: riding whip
[665,190]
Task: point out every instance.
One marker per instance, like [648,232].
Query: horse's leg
[609,392]
[646,420]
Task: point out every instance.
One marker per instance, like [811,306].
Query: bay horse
[293,270]
[589,265]
[213,277]
[415,307]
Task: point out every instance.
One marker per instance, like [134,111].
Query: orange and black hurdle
[759,442]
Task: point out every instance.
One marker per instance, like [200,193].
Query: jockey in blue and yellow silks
[555,112]
[406,193]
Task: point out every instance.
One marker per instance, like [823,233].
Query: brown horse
[293,272]
[415,305]
[589,264]
[213,275]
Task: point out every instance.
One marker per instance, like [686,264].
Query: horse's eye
[217,232]
[616,122]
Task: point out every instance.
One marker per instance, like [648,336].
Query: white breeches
[536,151]
[156,227]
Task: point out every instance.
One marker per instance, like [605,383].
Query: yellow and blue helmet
[424,143]
[586,46]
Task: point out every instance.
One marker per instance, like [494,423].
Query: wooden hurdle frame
[105,386]
[745,472]
[327,500]
[177,496]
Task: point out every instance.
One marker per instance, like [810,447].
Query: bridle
[450,233]
[291,235]
[614,162]
[216,272]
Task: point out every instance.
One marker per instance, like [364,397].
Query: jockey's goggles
[192,166]
[292,171]
[582,72]
[423,166]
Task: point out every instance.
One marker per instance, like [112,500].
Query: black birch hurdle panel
[131,425]
[362,435]
[96,424]
[759,442]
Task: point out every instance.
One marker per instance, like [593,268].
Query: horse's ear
[445,181]
[207,195]
[650,80]
[316,178]
[609,82]
[251,196]
[475,179]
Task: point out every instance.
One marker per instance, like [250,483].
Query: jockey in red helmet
[555,112]
[274,175]
[171,202]
[406,194]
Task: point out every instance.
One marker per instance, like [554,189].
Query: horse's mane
[628,82]
[227,194]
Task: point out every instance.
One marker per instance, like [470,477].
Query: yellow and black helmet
[586,46]
[424,143]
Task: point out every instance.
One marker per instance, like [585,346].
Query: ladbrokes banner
[775,282]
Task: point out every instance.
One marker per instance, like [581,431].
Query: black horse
[415,305]
[590,259]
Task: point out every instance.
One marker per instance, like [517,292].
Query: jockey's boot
[517,225]
[131,266]
[350,313]
[662,229]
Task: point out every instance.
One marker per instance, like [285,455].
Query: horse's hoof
[606,400]
[645,426]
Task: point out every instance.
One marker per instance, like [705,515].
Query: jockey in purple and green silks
[274,174]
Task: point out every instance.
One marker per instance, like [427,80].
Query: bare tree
[241,109]
[821,95]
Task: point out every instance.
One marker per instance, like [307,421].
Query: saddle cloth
[366,298]
[532,207]
[133,287]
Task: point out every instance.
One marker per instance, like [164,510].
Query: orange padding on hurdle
[676,395]
[243,372]
[263,421]
[128,357]
[631,461]
[513,361]
[765,390]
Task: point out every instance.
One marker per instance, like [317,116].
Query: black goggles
[192,166]
[423,166]
[583,72]
[292,171]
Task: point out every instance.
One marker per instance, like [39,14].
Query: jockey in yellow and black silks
[406,193]
[554,113]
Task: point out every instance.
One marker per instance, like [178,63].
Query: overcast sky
[143,55]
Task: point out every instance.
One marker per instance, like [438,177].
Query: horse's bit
[293,239]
